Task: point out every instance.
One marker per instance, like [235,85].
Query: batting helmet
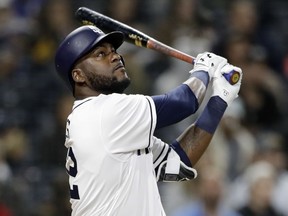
[77,44]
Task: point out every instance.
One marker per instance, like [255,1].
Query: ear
[78,75]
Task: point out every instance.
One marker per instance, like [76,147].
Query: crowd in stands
[245,169]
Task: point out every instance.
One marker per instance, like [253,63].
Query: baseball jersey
[109,160]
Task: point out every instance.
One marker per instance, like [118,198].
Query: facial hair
[108,85]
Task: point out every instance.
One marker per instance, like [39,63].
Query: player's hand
[208,62]
[222,88]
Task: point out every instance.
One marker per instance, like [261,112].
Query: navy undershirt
[175,105]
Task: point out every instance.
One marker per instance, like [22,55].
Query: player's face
[104,70]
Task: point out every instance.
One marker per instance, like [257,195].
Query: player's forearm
[195,139]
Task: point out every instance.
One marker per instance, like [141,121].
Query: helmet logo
[96,30]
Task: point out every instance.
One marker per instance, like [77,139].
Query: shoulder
[128,96]
[129,101]
[112,99]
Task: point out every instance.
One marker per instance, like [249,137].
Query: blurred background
[243,172]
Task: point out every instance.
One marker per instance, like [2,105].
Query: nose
[115,57]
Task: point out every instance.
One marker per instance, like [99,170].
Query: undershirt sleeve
[175,106]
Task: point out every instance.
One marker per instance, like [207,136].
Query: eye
[101,54]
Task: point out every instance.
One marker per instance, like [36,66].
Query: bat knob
[232,77]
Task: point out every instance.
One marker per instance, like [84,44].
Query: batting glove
[222,88]
[173,169]
[208,62]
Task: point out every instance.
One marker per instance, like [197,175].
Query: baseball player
[114,161]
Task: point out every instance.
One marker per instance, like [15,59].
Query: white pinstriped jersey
[109,160]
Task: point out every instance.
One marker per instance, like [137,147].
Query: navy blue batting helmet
[79,43]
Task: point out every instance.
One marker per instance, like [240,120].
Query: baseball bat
[138,38]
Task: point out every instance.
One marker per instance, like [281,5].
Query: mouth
[119,66]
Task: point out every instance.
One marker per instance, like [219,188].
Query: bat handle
[232,77]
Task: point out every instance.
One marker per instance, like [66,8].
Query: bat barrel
[107,24]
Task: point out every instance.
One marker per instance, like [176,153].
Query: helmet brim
[115,38]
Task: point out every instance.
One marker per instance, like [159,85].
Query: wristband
[182,154]
[212,114]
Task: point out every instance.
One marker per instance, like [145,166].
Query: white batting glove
[209,62]
[222,88]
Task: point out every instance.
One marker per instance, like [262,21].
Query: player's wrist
[182,154]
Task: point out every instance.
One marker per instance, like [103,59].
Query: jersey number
[72,171]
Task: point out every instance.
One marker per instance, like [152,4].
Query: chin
[123,77]
[122,85]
